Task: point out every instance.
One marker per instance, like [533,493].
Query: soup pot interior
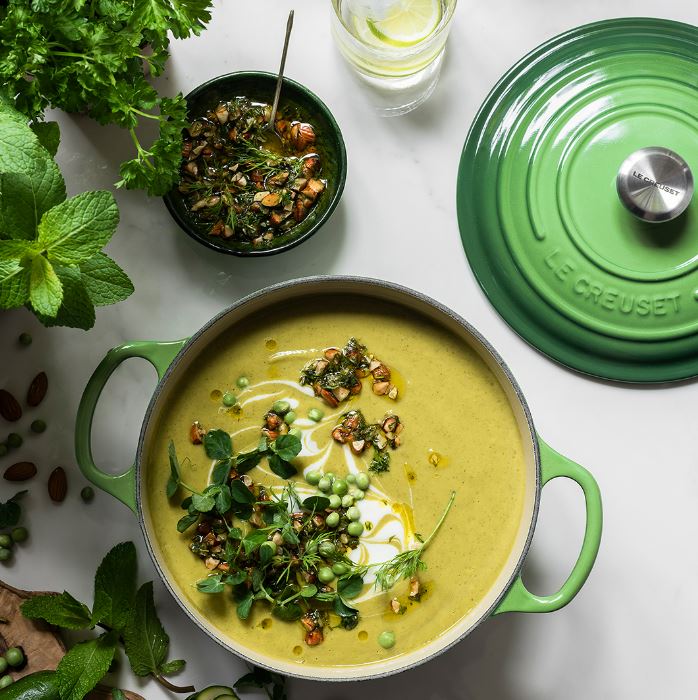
[409,303]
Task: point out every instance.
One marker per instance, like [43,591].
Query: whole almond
[57,485]
[21,471]
[9,406]
[37,389]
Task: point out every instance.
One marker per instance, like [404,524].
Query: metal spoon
[272,140]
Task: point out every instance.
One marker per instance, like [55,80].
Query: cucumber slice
[213,692]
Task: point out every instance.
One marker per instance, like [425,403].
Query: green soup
[460,434]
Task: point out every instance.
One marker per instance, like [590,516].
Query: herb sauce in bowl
[237,196]
[236,186]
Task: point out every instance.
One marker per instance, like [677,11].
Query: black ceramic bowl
[260,86]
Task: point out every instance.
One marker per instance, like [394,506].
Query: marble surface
[630,631]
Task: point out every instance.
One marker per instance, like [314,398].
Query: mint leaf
[14,291]
[77,229]
[48,134]
[145,639]
[76,310]
[19,146]
[85,665]
[11,511]
[25,197]
[45,289]
[173,666]
[16,250]
[60,610]
[218,444]
[115,587]
[105,282]
[9,268]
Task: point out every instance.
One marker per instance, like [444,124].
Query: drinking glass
[395,46]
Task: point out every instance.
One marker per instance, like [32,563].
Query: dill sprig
[407,564]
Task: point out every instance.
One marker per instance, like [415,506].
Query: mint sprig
[50,257]
[125,615]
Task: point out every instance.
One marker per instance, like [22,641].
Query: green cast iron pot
[171,360]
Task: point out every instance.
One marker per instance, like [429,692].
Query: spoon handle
[277,94]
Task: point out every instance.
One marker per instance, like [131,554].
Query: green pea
[5,541]
[311,548]
[330,475]
[347,501]
[363,480]
[325,574]
[325,484]
[353,513]
[25,339]
[315,414]
[3,664]
[20,534]
[87,494]
[335,501]
[357,494]
[327,548]
[355,529]
[229,399]
[332,519]
[38,426]
[386,639]
[3,449]
[313,478]
[5,554]
[281,407]
[340,487]
[14,656]
[5,681]
[350,479]
[340,568]
[14,440]
[243,382]
[296,432]
[290,417]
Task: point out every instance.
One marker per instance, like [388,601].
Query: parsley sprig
[94,57]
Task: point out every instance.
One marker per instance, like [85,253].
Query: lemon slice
[407,22]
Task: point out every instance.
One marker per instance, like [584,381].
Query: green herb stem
[444,515]
[171,686]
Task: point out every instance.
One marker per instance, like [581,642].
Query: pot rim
[367,283]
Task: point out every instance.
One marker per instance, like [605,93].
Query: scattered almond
[57,485]
[9,406]
[21,471]
[37,389]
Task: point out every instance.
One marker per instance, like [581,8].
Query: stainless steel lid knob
[655,184]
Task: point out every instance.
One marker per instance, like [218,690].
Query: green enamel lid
[568,266]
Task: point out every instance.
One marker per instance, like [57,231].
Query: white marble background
[631,632]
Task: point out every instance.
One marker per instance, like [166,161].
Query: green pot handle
[518,598]
[160,355]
